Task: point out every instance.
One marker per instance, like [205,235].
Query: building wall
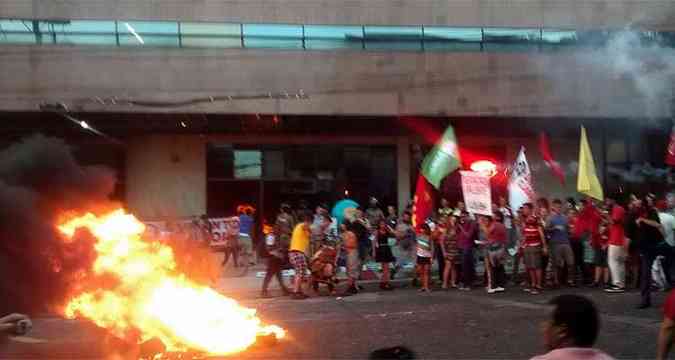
[523,84]
[654,14]
[166,176]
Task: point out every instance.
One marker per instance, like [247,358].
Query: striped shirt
[531,235]
[423,246]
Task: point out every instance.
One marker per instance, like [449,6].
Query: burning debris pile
[67,248]
[134,292]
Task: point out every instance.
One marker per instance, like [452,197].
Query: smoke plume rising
[39,180]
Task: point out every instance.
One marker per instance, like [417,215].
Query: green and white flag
[442,159]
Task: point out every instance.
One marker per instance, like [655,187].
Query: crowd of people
[610,245]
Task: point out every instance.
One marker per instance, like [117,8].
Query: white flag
[520,186]
[477,195]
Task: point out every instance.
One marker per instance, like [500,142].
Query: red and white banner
[520,186]
[477,194]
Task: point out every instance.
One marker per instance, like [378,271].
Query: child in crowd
[424,252]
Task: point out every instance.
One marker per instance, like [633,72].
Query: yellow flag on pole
[588,183]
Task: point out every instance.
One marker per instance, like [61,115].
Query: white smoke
[639,60]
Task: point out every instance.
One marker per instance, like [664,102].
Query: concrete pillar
[166,176]
[403,172]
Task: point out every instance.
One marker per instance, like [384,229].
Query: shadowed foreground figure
[572,330]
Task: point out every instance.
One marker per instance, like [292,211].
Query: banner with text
[477,195]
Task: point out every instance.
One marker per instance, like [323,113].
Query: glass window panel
[511,35]
[333,37]
[16,25]
[393,37]
[85,39]
[149,40]
[247,164]
[210,41]
[667,39]
[148,27]
[435,45]
[219,161]
[14,38]
[593,37]
[274,165]
[559,37]
[215,29]
[78,26]
[439,33]
[273,36]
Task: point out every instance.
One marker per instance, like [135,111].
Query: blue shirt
[245,224]
[558,228]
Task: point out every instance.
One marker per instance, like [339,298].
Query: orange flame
[147,298]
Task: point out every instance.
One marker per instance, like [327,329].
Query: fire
[134,292]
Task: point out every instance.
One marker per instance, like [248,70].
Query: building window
[321,37]
[273,36]
[247,164]
[393,37]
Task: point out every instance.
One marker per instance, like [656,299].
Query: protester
[534,247]
[496,252]
[631,229]
[572,330]
[383,254]
[297,254]
[373,213]
[425,248]
[563,256]
[444,211]
[284,225]
[518,222]
[577,246]
[437,236]
[361,228]
[451,253]
[618,248]
[600,245]
[275,257]
[351,246]
[649,233]
[665,341]
[467,233]
[587,231]
[392,218]
[320,231]
[405,237]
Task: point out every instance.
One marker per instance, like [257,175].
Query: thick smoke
[39,181]
[633,75]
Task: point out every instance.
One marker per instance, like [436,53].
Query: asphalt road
[441,325]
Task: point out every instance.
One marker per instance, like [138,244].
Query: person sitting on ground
[572,330]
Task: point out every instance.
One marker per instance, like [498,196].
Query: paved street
[437,325]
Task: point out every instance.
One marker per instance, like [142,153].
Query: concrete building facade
[406,62]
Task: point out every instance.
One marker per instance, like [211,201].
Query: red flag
[545,150]
[670,155]
[423,202]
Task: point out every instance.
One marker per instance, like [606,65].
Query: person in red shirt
[665,341]
[496,252]
[534,247]
[600,244]
[618,247]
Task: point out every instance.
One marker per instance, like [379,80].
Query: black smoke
[40,180]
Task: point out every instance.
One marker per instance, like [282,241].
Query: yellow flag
[587,183]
